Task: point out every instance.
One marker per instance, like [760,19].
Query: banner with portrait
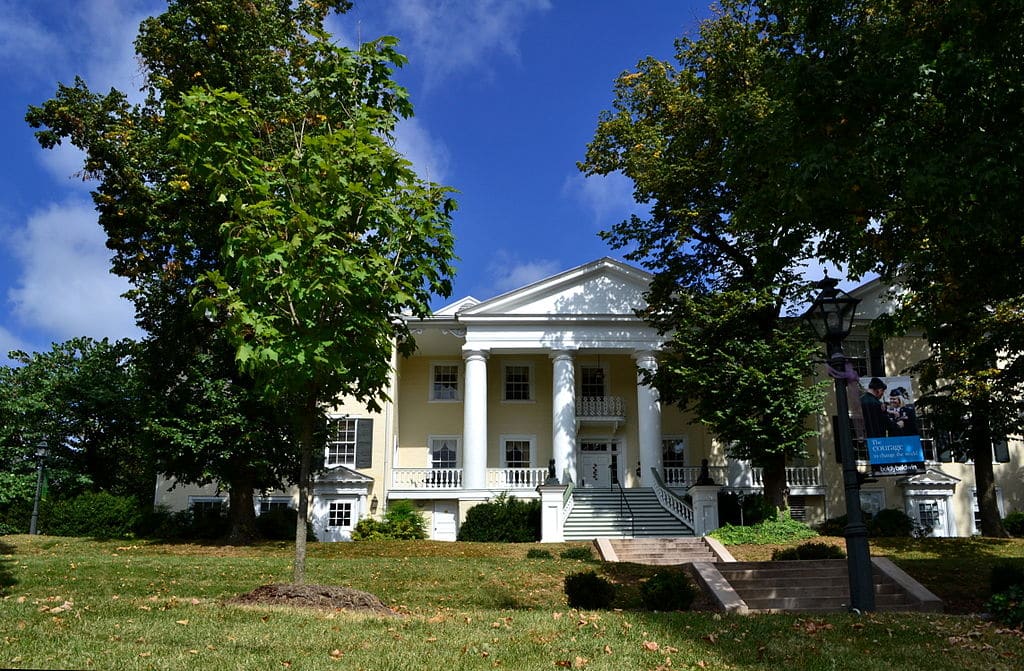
[889,426]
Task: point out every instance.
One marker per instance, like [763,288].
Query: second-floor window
[517,383]
[341,442]
[592,381]
[444,382]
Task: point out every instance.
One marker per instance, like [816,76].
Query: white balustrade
[516,478]
[426,478]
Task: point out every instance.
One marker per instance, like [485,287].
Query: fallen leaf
[564,663]
[337,654]
[650,645]
[579,662]
[607,649]
[181,622]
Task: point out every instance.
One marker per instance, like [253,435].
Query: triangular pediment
[339,474]
[932,477]
[605,287]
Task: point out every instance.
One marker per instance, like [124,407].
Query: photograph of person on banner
[890,426]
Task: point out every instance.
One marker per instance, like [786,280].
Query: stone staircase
[656,551]
[809,586]
[599,513]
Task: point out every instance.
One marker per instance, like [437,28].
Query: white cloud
[609,198]
[429,155]
[507,272]
[65,287]
[459,35]
[10,342]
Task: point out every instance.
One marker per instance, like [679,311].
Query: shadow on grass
[7,579]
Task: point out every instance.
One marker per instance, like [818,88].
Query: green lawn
[76,603]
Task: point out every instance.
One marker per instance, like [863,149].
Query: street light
[831,317]
[42,450]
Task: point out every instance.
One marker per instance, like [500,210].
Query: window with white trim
[518,382]
[673,451]
[858,354]
[872,500]
[444,452]
[207,506]
[444,381]
[339,514]
[976,516]
[268,503]
[341,441]
[592,381]
[517,451]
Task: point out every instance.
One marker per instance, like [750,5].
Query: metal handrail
[624,500]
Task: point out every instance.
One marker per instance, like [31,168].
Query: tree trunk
[981,452]
[774,476]
[241,511]
[306,426]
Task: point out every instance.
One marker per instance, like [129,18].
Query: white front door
[446,517]
[930,513]
[596,463]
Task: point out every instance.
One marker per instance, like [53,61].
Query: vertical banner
[890,426]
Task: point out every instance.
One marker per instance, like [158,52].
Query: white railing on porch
[426,478]
[670,502]
[796,476]
[451,478]
[678,476]
[516,478]
[600,406]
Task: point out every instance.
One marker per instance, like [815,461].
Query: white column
[649,420]
[474,423]
[563,416]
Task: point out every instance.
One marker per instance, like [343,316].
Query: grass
[77,603]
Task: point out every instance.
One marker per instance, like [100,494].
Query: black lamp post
[831,316]
[42,450]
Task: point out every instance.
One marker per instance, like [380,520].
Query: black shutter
[943,446]
[364,443]
[1002,451]
[876,357]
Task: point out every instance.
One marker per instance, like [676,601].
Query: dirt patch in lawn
[322,597]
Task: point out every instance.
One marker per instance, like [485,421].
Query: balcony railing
[451,478]
[426,478]
[600,406]
[677,476]
[796,476]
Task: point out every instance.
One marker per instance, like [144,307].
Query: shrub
[401,522]
[581,554]
[1014,523]
[667,591]
[783,529]
[1008,607]
[537,553]
[278,524]
[891,523]
[1006,574]
[807,551]
[833,526]
[96,514]
[745,509]
[589,591]
[506,519]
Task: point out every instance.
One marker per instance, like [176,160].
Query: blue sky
[507,94]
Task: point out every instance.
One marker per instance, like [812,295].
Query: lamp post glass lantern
[42,450]
[831,316]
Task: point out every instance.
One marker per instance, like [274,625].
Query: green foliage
[705,141]
[809,551]
[668,590]
[98,515]
[504,519]
[1014,523]
[886,523]
[1006,574]
[890,523]
[537,553]
[578,554]
[589,591]
[401,522]
[1008,607]
[783,529]
[278,524]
